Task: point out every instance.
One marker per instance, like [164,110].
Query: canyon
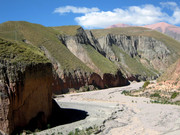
[66,59]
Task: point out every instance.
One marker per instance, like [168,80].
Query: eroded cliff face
[108,80]
[25,95]
[75,45]
[146,48]
[130,51]
[77,78]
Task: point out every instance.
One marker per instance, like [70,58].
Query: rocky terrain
[138,53]
[115,113]
[165,28]
[25,87]
[66,59]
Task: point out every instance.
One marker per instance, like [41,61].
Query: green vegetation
[87,131]
[155,95]
[146,83]
[125,92]
[140,31]
[70,30]
[132,65]
[39,35]
[172,44]
[105,65]
[174,95]
[19,52]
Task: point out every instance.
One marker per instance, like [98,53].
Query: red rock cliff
[25,95]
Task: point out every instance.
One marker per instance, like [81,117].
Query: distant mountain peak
[122,25]
[161,25]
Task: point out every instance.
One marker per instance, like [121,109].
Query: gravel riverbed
[117,114]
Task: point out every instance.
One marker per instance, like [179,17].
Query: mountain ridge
[163,27]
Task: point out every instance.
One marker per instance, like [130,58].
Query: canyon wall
[25,95]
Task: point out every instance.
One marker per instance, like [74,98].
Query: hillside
[39,35]
[172,73]
[68,48]
[138,51]
[165,28]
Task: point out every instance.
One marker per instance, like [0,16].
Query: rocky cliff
[25,87]
[152,51]
[66,79]
[139,55]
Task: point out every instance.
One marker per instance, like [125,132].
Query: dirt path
[120,115]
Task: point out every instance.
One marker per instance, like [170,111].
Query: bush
[174,95]
[126,92]
[155,95]
[146,83]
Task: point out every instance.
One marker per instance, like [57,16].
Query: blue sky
[91,13]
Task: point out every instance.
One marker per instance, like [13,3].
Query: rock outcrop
[128,52]
[25,94]
[131,52]
[147,48]
[108,80]
[25,87]
[75,45]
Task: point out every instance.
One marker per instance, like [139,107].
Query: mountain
[165,28]
[138,51]
[172,74]
[36,60]
[69,49]
[121,25]
[170,30]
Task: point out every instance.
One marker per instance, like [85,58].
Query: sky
[91,14]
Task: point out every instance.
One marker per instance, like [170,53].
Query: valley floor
[117,114]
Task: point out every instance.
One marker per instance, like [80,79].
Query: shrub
[146,83]
[155,95]
[126,92]
[174,95]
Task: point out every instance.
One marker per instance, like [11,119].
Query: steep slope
[39,35]
[25,83]
[139,51]
[80,45]
[168,29]
[66,48]
[172,73]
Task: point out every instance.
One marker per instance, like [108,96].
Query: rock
[25,95]
[108,80]
[144,47]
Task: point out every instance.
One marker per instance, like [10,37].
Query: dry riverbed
[117,114]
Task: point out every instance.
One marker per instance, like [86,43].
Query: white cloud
[175,18]
[134,15]
[68,9]
[168,4]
